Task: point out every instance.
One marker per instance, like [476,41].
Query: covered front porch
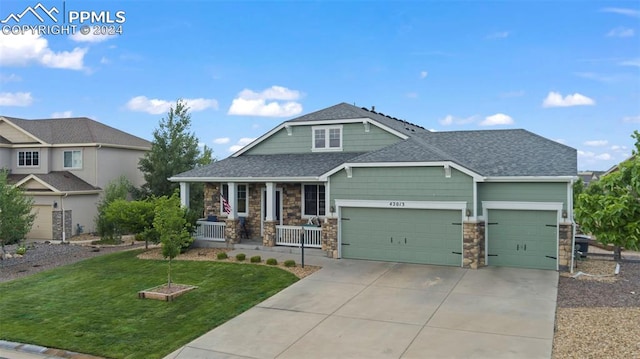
[267,213]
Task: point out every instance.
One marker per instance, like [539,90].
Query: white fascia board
[245,179]
[314,123]
[516,205]
[35,178]
[531,179]
[58,194]
[76,145]
[361,203]
[464,170]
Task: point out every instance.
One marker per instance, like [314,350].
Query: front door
[278,216]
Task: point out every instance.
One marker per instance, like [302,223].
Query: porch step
[257,246]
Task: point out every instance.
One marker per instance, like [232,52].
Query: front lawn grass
[92,306]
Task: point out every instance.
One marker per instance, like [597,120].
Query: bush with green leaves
[256,259]
[16,218]
[119,188]
[272,262]
[21,250]
[222,255]
[289,263]
[170,222]
[241,256]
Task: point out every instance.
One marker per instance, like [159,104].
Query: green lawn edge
[92,306]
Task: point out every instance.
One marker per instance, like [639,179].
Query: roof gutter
[245,179]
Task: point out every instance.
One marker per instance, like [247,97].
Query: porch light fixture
[565,214]
[55,204]
[467,212]
[332,209]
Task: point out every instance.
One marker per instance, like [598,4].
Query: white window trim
[72,167]
[326,201]
[27,166]
[239,214]
[326,138]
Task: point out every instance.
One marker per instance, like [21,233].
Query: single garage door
[521,238]
[402,235]
[42,224]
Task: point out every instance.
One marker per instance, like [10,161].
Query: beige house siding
[115,162]
[87,172]
[5,158]
[43,166]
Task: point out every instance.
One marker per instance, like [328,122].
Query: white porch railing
[210,231]
[290,236]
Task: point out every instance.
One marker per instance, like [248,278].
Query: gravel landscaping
[598,316]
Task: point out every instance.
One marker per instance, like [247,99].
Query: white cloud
[590,155]
[10,78]
[240,144]
[497,119]
[221,140]
[412,94]
[632,62]
[90,37]
[622,11]
[105,61]
[21,99]
[498,35]
[621,32]
[63,114]
[156,106]
[603,156]
[253,103]
[631,119]
[20,50]
[596,143]
[618,148]
[555,99]
[423,74]
[451,120]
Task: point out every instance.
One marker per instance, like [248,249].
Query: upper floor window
[314,200]
[28,158]
[242,199]
[327,138]
[72,159]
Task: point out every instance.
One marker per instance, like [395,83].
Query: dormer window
[327,138]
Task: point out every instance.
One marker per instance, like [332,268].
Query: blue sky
[567,70]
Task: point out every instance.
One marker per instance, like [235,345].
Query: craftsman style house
[64,164]
[360,184]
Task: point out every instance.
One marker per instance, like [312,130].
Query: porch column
[184,194]
[232,201]
[271,202]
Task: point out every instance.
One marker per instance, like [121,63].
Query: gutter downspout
[573,225]
[95,181]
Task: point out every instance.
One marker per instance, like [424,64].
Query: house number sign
[396,204]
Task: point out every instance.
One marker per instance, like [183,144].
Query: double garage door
[425,236]
[515,238]
[522,238]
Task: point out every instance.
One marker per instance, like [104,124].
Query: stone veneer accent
[269,237]
[291,204]
[330,237]
[57,224]
[565,234]
[232,231]
[473,245]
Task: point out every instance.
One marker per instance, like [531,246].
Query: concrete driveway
[365,309]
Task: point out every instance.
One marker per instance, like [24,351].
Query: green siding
[522,192]
[519,238]
[354,139]
[403,184]
[402,235]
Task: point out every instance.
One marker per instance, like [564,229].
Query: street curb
[48,352]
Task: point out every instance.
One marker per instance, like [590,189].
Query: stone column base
[330,237]
[231,231]
[473,245]
[269,237]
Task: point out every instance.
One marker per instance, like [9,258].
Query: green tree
[609,208]
[174,149]
[133,217]
[117,189]
[16,218]
[171,224]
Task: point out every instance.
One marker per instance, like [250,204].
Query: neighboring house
[64,164]
[590,176]
[384,189]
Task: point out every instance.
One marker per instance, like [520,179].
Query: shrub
[241,256]
[21,250]
[289,263]
[272,262]
[223,255]
[256,259]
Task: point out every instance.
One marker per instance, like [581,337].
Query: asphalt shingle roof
[281,165]
[489,153]
[64,181]
[77,130]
